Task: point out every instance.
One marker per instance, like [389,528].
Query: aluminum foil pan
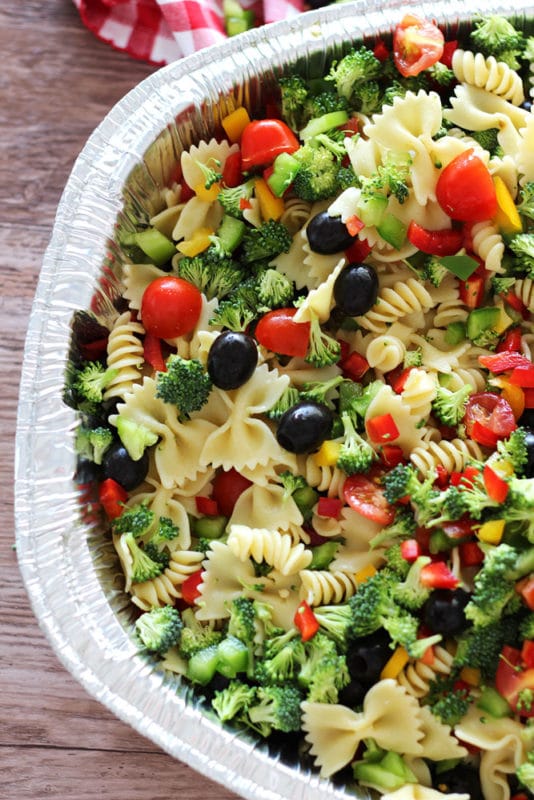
[65,557]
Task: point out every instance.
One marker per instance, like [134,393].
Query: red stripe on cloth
[141,42]
[189,15]
[93,14]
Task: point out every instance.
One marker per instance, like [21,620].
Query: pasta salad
[310,416]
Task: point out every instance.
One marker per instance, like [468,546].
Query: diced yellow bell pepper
[504,321]
[328,453]
[470,675]
[491,532]
[365,573]
[209,195]
[235,123]
[507,218]
[395,664]
[514,395]
[271,207]
[199,242]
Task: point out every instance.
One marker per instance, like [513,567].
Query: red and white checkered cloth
[161,31]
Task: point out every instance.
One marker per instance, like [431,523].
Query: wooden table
[56,83]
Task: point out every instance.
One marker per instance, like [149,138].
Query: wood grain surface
[56,83]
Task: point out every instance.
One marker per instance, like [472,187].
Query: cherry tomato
[277,332]
[417,44]
[228,485]
[365,497]
[465,189]
[264,139]
[510,680]
[444,242]
[170,307]
[488,418]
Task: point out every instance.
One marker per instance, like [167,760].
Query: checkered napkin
[161,31]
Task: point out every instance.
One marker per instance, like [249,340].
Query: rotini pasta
[453,455]
[394,303]
[165,588]
[417,676]
[270,546]
[124,354]
[321,587]
[489,74]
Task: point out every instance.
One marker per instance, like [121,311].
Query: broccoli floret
[356,454]
[317,177]
[142,568]
[233,701]
[242,623]
[488,140]
[265,243]
[403,481]
[354,69]
[92,380]
[321,391]
[159,546]
[283,657]
[367,97]
[232,198]
[448,406]
[316,649]
[434,270]
[346,178]
[323,349]
[333,141]
[276,708]
[479,648]
[335,621]
[212,174]
[233,314]
[214,275]
[374,607]
[391,178]
[92,443]
[159,629]
[186,385]
[274,289]
[292,483]
[287,400]
[196,635]
[514,449]
[447,703]
[325,103]
[494,35]
[411,593]
[294,96]
[502,285]
[395,561]
[413,358]
[525,772]
[526,199]
[522,246]
[494,586]
[442,74]
[135,436]
[137,520]
[324,672]
[519,504]
[526,627]
[403,526]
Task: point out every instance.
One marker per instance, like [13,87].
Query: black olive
[118,464]
[232,359]
[356,289]
[367,656]
[353,693]
[529,442]
[328,234]
[444,613]
[461,779]
[304,427]
[526,420]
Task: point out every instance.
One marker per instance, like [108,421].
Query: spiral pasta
[296,213]
[488,244]
[418,393]
[489,74]
[385,352]
[453,455]
[524,289]
[462,376]
[165,588]
[272,547]
[417,676]
[321,587]
[394,303]
[125,354]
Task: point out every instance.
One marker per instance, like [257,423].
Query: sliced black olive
[356,289]
[353,693]
[461,779]
[367,656]
[328,234]
[304,427]
[232,359]
[444,613]
[118,465]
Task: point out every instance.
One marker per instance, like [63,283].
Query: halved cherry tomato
[170,307]
[152,353]
[232,175]
[382,429]
[525,587]
[417,44]
[511,679]
[329,507]
[437,575]
[368,499]
[444,242]
[189,588]
[264,139]
[112,496]
[488,418]
[306,621]
[277,331]
[228,485]
[354,366]
[465,189]
[496,487]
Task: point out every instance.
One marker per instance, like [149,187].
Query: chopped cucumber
[493,703]
[155,245]
[455,333]
[392,230]
[230,233]
[372,208]
[209,527]
[233,656]
[202,665]
[323,124]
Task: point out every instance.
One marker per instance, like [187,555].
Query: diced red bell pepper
[464,478]
[529,398]
[410,550]
[354,366]
[442,477]
[186,192]
[381,50]
[511,341]
[444,242]
[515,302]
[502,362]
[207,506]
[448,52]
[523,376]
[354,225]
[112,497]
[525,587]
[232,175]
[306,621]
[437,575]
[470,554]
[350,128]
[152,352]
[329,507]
[344,350]
[471,291]
[527,653]
[496,487]
[93,351]
[190,587]
[391,455]
[382,429]
[397,378]
[358,251]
